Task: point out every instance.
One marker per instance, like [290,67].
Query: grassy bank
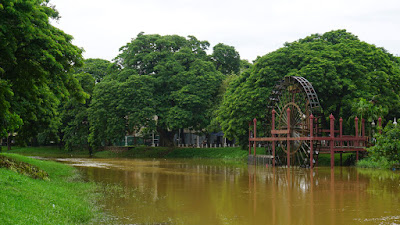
[161,152]
[62,198]
[47,151]
[228,153]
[381,163]
[348,159]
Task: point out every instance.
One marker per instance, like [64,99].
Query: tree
[74,116]
[98,68]
[340,67]
[35,58]
[183,83]
[120,107]
[226,59]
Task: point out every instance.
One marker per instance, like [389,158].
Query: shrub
[385,153]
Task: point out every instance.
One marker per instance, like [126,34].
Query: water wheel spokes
[297,95]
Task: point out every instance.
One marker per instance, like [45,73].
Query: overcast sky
[253,27]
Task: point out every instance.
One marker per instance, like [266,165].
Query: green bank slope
[62,198]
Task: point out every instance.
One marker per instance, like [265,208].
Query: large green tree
[75,126]
[74,115]
[35,58]
[341,68]
[226,59]
[120,106]
[180,77]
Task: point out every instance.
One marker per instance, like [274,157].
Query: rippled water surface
[211,192]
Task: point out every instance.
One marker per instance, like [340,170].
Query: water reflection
[205,192]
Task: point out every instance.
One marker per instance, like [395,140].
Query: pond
[215,192]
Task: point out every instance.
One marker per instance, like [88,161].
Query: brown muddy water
[212,192]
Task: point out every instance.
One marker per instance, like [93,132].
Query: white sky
[253,27]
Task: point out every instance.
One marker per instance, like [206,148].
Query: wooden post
[288,135]
[356,142]
[341,131]
[249,138]
[316,134]
[273,135]
[341,135]
[255,135]
[363,128]
[311,141]
[364,143]
[332,137]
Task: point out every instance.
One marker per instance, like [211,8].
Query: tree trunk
[90,150]
[8,142]
[183,139]
[166,138]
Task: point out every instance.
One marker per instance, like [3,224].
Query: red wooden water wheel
[298,95]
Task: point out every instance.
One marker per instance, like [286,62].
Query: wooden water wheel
[298,95]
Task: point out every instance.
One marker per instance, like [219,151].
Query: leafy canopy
[35,58]
[169,81]
[226,58]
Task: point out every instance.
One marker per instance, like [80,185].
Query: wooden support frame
[354,143]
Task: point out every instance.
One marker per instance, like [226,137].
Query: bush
[385,153]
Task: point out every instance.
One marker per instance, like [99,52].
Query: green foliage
[119,107]
[98,68]
[348,159]
[341,68]
[64,199]
[34,60]
[166,82]
[74,115]
[386,152]
[368,110]
[75,127]
[226,59]
[381,163]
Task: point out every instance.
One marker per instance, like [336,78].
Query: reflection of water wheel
[298,95]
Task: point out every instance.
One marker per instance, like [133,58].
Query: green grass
[228,153]
[161,152]
[136,152]
[225,153]
[63,199]
[47,151]
[348,159]
[381,163]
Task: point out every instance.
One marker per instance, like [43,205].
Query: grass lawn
[62,199]
[47,151]
[161,152]
[228,153]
